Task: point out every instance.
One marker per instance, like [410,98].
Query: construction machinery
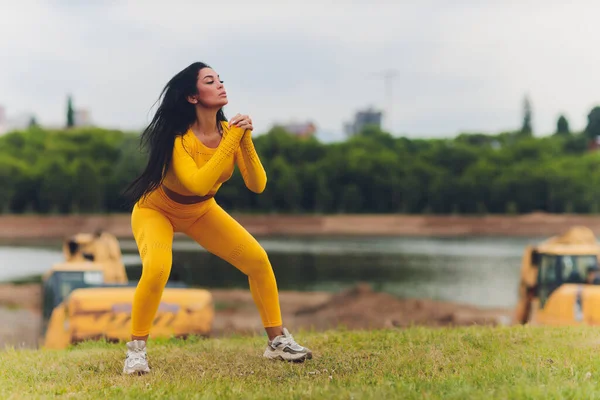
[88,297]
[560,281]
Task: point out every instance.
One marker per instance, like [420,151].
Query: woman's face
[211,92]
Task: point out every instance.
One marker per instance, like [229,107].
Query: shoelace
[135,360]
[136,354]
[288,340]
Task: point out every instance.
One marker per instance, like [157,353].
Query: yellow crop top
[200,170]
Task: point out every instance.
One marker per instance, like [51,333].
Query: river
[481,271]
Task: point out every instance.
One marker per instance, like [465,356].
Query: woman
[192,152]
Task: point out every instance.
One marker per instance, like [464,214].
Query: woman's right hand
[241,121]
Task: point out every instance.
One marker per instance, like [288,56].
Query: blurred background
[397,109]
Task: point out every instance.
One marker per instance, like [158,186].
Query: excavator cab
[59,285]
[90,260]
[556,270]
[555,274]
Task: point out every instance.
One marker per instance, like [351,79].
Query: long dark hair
[174,117]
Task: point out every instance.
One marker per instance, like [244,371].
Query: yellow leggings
[153,223]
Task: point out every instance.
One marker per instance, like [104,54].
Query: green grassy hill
[416,363]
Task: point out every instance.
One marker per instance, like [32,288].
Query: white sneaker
[137,359]
[284,347]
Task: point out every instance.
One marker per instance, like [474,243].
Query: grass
[415,363]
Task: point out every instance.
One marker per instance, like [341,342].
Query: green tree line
[84,170]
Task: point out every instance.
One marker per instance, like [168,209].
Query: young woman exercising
[192,152]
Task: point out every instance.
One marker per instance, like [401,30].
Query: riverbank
[235,312]
[30,227]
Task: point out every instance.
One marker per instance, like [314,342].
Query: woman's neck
[206,121]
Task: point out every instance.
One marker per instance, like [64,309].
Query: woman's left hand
[241,121]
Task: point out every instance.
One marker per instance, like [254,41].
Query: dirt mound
[357,308]
[361,308]
[28,296]
[19,328]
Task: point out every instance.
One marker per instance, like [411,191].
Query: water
[479,271]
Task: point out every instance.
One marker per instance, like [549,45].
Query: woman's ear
[192,99]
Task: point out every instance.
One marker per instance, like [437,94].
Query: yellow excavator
[560,281]
[88,297]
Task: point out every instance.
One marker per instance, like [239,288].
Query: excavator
[560,281]
[88,297]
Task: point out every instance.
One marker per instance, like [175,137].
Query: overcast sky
[461,65]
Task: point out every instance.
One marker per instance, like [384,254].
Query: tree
[526,128]
[287,190]
[70,113]
[9,177]
[56,185]
[352,199]
[87,169]
[592,130]
[33,122]
[89,193]
[562,126]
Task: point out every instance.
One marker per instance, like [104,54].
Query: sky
[459,66]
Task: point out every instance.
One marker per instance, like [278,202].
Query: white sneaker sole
[136,370]
[283,356]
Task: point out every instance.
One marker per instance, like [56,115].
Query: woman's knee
[156,268]
[257,262]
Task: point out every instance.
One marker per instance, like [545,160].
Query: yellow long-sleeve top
[200,170]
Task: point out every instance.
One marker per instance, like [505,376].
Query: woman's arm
[250,166]
[200,180]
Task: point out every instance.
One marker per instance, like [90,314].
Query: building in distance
[363,118]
